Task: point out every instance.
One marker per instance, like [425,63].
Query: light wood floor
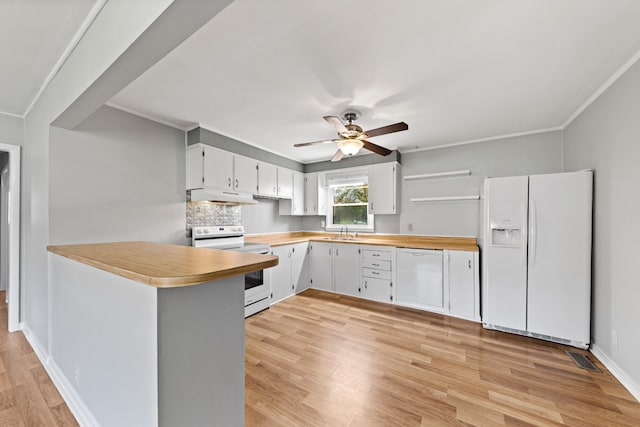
[27,395]
[322,359]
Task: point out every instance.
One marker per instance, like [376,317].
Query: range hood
[213,195]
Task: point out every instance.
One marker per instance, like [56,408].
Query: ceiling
[266,72]
[33,37]
[455,70]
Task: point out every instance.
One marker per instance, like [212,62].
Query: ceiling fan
[352,138]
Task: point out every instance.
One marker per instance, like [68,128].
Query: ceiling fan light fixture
[350,146]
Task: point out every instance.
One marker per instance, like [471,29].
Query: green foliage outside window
[350,205]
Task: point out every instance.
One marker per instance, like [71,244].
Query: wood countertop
[163,265]
[397,240]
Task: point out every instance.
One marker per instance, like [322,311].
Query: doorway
[10,231]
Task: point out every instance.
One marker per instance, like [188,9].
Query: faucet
[341,230]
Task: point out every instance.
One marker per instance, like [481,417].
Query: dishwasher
[419,277]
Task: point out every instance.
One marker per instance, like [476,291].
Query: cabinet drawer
[376,264]
[378,274]
[380,255]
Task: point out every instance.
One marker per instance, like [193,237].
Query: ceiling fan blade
[305,144]
[337,156]
[397,127]
[376,148]
[336,123]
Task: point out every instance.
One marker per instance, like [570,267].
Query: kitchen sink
[350,239]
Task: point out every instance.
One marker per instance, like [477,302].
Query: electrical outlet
[410,227]
[76,375]
[614,338]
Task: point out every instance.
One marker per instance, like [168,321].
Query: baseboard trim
[71,397]
[617,372]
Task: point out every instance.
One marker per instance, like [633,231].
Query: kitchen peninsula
[151,334]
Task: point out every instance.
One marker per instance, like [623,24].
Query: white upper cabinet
[209,167]
[315,198]
[295,205]
[383,188]
[245,174]
[285,183]
[267,180]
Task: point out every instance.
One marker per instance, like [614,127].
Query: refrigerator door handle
[533,233]
[523,256]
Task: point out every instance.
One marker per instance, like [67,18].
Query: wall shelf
[444,199]
[436,175]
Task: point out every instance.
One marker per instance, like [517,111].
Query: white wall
[264,218]
[113,31]
[11,129]
[605,137]
[523,155]
[117,177]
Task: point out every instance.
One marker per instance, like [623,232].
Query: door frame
[13,201]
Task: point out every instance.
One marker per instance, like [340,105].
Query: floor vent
[582,361]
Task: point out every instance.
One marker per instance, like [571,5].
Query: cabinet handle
[337,252]
[289,254]
[375,265]
[375,272]
[329,251]
[359,289]
[365,285]
[228,182]
[237,183]
[293,249]
[293,287]
[371,206]
[375,254]
[469,264]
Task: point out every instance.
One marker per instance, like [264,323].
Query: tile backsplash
[210,213]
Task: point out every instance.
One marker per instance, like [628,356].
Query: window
[349,206]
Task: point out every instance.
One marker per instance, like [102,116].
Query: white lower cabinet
[432,280]
[346,268]
[321,254]
[377,275]
[291,274]
[462,280]
[420,283]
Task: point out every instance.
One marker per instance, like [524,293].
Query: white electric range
[257,291]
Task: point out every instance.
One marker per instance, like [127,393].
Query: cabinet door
[195,171]
[267,180]
[285,183]
[311,194]
[382,188]
[245,175]
[462,289]
[218,169]
[420,283]
[299,267]
[377,289]
[346,268]
[281,274]
[321,265]
[297,201]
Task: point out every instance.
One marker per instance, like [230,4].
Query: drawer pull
[375,265]
[375,254]
[375,272]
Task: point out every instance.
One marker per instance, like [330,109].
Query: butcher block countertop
[398,240]
[163,265]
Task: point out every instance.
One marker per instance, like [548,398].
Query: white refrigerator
[536,256]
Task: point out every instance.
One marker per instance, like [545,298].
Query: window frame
[330,226]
